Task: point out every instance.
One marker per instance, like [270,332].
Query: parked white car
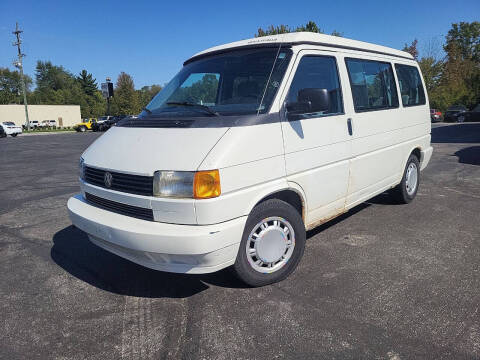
[11,129]
[48,123]
[249,146]
[34,124]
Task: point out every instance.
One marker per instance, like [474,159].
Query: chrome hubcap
[270,244]
[411,178]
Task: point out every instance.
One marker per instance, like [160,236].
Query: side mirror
[310,101]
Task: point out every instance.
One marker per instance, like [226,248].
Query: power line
[19,65]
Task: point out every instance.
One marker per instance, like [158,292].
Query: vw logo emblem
[107,179]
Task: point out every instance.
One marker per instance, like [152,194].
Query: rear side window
[411,87]
[318,72]
[373,85]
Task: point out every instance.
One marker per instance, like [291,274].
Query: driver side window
[317,72]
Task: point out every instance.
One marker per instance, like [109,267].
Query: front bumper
[160,246]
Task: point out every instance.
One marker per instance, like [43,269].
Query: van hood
[143,151]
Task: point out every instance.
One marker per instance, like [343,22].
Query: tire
[406,191]
[13,135]
[82,129]
[273,244]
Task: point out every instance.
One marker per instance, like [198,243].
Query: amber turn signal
[206,184]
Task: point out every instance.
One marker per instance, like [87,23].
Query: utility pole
[19,64]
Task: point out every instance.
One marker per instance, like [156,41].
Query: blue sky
[151,39]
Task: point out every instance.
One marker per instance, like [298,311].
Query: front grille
[133,184]
[119,208]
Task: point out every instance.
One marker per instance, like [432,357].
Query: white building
[64,115]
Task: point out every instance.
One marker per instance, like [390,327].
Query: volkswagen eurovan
[249,146]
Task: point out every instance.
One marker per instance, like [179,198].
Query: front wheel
[83,129]
[272,244]
[406,191]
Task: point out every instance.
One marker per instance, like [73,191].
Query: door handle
[350,126]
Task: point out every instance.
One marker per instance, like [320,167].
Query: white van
[251,144]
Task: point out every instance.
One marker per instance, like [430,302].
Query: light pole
[107,92]
[19,65]
[108,97]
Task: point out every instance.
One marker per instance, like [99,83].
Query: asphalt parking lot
[383,281]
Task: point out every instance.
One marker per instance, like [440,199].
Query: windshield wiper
[198,106]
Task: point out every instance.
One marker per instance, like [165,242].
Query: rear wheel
[406,191]
[13,135]
[272,244]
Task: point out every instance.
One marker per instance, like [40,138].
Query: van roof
[306,38]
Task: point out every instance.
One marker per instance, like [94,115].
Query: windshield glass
[233,83]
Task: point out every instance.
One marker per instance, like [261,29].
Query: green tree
[461,77]
[466,38]
[54,85]
[203,91]
[431,71]
[273,30]
[87,82]
[11,86]
[57,86]
[93,104]
[146,94]
[125,100]
[310,26]
[455,78]
[412,49]
[49,76]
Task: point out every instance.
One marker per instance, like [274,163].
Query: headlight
[187,184]
[81,168]
[173,184]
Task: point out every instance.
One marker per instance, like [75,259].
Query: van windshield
[232,83]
